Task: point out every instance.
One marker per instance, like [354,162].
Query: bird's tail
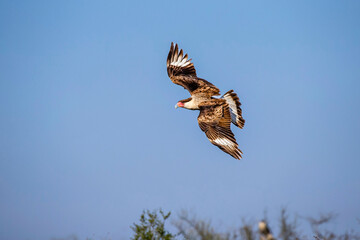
[235,110]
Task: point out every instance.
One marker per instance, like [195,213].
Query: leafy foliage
[152,227]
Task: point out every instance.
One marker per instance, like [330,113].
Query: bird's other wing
[214,119]
[182,72]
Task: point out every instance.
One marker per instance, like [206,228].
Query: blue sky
[90,137]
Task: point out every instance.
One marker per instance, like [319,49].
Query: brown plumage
[214,119]
[236,112]
[182,72]
[216,114]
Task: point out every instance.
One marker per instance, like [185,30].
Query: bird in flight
[216,114]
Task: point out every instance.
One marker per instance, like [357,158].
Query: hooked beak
[179,104]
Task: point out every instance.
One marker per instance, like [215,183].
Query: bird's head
[182,103]
[179,104]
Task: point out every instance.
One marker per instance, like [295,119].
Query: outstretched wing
[182,72]
[214,119]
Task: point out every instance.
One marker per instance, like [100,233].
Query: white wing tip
[224,141]
[180,63]
[230,145]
